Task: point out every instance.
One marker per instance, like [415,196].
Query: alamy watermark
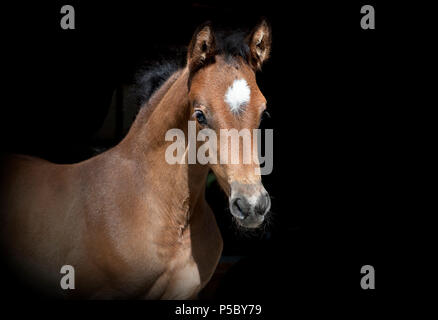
[68,280]
[228,144]
[368,281]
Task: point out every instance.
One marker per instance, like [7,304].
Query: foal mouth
[251,221]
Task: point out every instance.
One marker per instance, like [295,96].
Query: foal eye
[200,117]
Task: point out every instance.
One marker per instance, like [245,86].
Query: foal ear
[259,42]
[201,47]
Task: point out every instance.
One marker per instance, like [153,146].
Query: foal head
[224,95]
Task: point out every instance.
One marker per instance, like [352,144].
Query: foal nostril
[263,205]
[240,207]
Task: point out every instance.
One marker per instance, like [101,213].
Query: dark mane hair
[232,44]
[150,77]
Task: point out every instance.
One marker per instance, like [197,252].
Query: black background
[338,102]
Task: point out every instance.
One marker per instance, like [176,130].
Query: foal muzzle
[249,204]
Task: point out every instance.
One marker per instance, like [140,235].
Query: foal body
[129,223]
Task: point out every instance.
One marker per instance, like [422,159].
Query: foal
[131,224]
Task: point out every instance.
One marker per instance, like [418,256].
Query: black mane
[150,77]
[232,45]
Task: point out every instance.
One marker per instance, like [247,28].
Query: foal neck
[181,184]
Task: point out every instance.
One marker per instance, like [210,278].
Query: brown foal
[131,224]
